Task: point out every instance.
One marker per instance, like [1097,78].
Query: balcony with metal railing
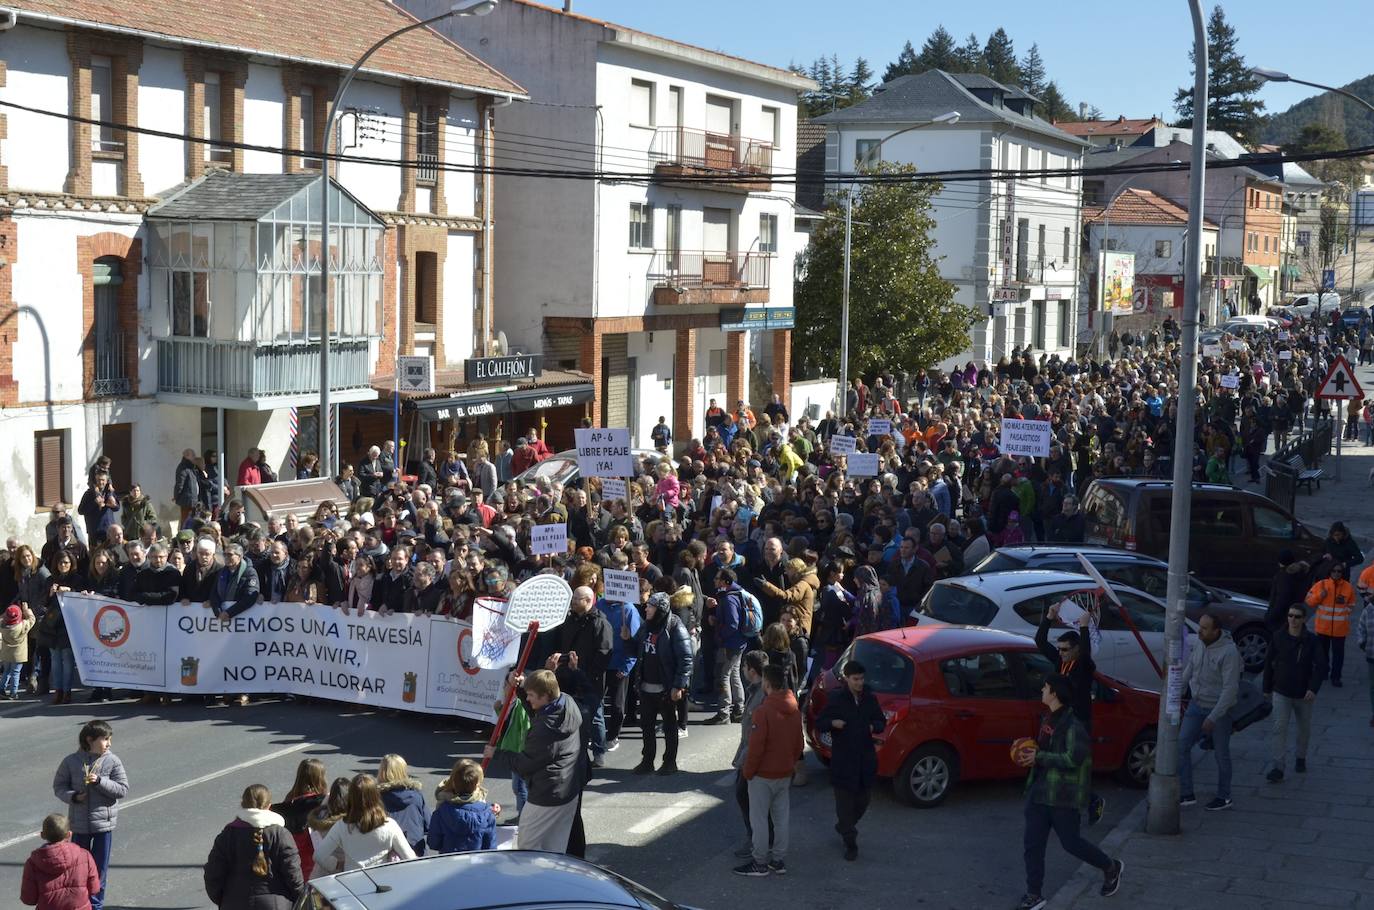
[111,372]
[256,376]
[718,161]
[683,277]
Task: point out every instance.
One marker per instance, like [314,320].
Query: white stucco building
[638,281]
[158,285]
[1010,247]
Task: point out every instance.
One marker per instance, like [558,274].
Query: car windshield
[886,671]
[958,605]
[998,561]
[559,469]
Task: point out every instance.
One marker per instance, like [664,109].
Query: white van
[1308,305]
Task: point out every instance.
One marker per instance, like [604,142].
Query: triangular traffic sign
[1340,382]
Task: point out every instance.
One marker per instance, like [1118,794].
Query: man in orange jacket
[1333,598]
[774,745]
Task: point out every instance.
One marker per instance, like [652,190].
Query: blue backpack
[750,615]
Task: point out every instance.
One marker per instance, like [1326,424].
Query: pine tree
[1033,72]
[939,52]
[860,81]
[1054,106]
[969,58]
[904,65]
[1231,103]
[1094,113]
[1000,58]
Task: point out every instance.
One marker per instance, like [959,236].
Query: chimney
[1082,110]
[567,6]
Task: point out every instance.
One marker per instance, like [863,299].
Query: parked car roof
[508,879]
[932,639]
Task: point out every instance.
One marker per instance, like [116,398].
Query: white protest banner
[879,427]
[612,488]
[621,587]
[1026,437]
[1285,355]
[863,464]
[842,445]
[496,645]
[604,453]
[549,539]
[1211,350]
[1237,345]
[403,661]
[1284,335]
[1230,381]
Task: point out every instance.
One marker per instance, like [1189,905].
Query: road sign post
[1340,386]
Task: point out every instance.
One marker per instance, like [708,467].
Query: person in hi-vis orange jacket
[1333,598]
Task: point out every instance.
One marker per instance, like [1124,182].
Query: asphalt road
[188,765]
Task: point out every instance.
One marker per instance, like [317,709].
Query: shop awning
[1292,271]
[482,404]
[1264,273]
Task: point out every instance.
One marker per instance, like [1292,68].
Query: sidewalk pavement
[1305,842]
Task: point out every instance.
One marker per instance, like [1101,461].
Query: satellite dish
[502,345]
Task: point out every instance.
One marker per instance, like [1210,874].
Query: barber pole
[294,455]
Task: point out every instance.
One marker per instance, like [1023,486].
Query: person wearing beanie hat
[14,647]
[664,650]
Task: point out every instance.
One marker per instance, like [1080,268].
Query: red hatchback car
[956,697]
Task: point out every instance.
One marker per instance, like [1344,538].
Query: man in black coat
[852,717]
[1293,672]
[584,642]
[1290,586]
[910,576]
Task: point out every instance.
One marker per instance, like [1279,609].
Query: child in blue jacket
[463,820]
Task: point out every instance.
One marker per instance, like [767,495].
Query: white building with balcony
[1010,247]
[160,289]
[665,271]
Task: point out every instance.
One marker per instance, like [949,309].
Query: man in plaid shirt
[1057,793]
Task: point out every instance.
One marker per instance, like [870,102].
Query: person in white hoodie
[366,836]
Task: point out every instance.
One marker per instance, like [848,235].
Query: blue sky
[1124,58]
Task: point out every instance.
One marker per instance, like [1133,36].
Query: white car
[1305,305]
[1016,601]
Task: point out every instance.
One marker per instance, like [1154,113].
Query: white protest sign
[879,427]
[543,599]
[1285,355]
[1025,437]
[1237,345]
[1211,350]
[1284,335]
[604,453]
[863,464]
[495,645]
[404,661]
[1230,381]
[549,539]
[612,488]
[621,587]
[842,445]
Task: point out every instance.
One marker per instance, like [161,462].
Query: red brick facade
[125,58]
[782,364]
[684,383]
[9,313]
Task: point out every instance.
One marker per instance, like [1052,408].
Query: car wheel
[1139,762]
[1253,643]
[927,776]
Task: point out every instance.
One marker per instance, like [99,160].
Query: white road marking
[186,785]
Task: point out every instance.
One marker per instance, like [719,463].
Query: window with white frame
[309,139]
[213,120]
[641,226]
[1068,248]
[867,153]
[673,115]
[1164,249]
[641,103]
[768,233]
[772,126]
[102,104]
[427,145]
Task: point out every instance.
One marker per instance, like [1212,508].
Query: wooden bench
[1304,474]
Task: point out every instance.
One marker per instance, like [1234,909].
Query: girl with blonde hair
[404,800]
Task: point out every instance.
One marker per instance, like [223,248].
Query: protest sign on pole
[495,645]
[863,464]
[1211,350]
[604,453]
[878,426]
[621,587]
[1026,437]
[613,488]
[1285,355]
[549,539]
[842,445]
[1230,381]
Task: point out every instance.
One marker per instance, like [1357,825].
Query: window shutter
[48,458]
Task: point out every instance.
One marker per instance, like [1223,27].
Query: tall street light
[1266,75]
[328,457]
[950,118]
[1162,814]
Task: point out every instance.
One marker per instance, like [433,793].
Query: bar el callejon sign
[521,367]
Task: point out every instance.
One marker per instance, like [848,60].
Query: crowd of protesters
[754,545]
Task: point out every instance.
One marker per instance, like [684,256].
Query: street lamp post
[842,390]
[328,457]
[1162,815]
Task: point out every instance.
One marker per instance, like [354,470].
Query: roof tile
[1140,207]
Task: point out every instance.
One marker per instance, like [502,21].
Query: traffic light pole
[1162,816]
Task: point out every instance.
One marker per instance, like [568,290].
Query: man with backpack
[738,621]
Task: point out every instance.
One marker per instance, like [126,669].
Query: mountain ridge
[1328,109]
